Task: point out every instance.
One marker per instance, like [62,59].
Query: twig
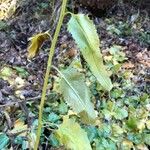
[22,101]
[9,122]
[16,133]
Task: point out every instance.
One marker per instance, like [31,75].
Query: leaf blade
[72,135]
[86,37]
[36,42]
[77,94]
[3,140]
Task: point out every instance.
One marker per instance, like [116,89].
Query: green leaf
[132,123]
[3,140]
[6,72]
[85,35]
[63,108]
[21,71]
[121,113]
[3,25]
[53,140]
[136,138]
[105,130]
[52,117]
[77,95]
[147,139]
[72,135]
[105,144]
[117,131]
[92,132]
[116,93]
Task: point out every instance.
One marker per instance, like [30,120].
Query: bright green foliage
[132,123]
[72,135]
[147,139]
[120,113]
[3,140]
[85,35]
[52,117]
[104,144]
[77,95]
[53,140]
[6,72]
[21,71]
[112,110]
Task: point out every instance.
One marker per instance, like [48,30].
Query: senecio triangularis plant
[72,84]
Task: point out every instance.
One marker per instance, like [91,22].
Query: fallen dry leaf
[19,127]
[128,65]
[7,8]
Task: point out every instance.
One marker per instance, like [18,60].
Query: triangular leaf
[77,95]
[72,135]
[84,33]
[36,43]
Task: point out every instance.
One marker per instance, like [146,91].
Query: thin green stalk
[51,54]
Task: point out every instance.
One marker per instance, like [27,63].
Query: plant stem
[49,62]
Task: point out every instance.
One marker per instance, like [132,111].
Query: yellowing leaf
[8,74]
[36,43]
[77,95]
[116,130]
[7,8]
[148,124]
[19,127]
[72,135]
[127,144]
[142,147]
[85,35]
[141,125]
[32,139]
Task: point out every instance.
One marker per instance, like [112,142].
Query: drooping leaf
[3,140]
[77,95]
[36,43]
[72,135]
[85,35]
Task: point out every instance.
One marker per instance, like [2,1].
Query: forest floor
[124,113]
